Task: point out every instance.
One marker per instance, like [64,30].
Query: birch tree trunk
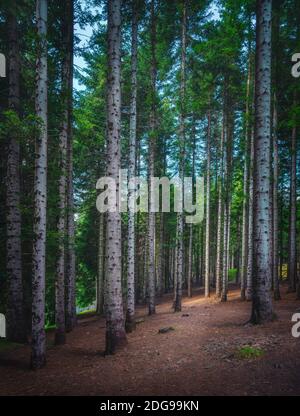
[38,343]
[152,144]
[70,309]
[292,263]
[130,315]
[275,203]
[250,224]
[190,256]
[16,329]
[180,215]
[115,330]
[161,257]
[220,215]
[100,276]
[207,232]
[246,188]
[61,223]
[262,309]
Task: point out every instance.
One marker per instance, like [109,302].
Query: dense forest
[178,89]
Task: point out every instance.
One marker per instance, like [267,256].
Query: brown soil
[198,358]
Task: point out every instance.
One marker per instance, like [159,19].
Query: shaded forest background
[220,50]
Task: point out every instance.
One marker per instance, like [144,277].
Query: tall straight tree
[276,75]
[262,309]
[63,143]
[130,315]
[15,313]
[250,224]
[115,329]
[152,143]
[191,229]
[38,355]
[70,309]
[275,202]
[292,259]
[220,215]
[207,232]
[100,274]
[246,187]
[180,216]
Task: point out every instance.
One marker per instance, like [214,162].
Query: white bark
[207,231]
[220,216]
[115,330]
[38,355]
[180,216]
[250,224]
[16,329]
[262,271]
[275,203]
[62,187]
[244,259]
[130,315]
[151,230]
[70,258]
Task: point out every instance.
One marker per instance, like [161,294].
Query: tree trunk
[161,257]
[70,258]
[16,328]
[100,277]
[275,203]
[250,225]
[246,188]
[220,215]
[292,263]
[38,343]
[190,255]
[262,309]
[130,315]
[180,215]
[115,330]
[60,333]
[151,255]
[227,197]
[207,231]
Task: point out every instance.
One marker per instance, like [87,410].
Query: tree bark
[70,308]
[292,263]
[180,215]
[246,189]
[262,309]
[220,215]
[38,343]
[115,330]
[16,329]
[100,276]
[190,259]
[207,231]
[60,333]
[250,225]
[130,314]
[275,203]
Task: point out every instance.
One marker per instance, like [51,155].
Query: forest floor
[206,353]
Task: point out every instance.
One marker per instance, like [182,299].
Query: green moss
[247,352]
[232,275]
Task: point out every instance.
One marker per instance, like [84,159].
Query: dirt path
[197,358]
